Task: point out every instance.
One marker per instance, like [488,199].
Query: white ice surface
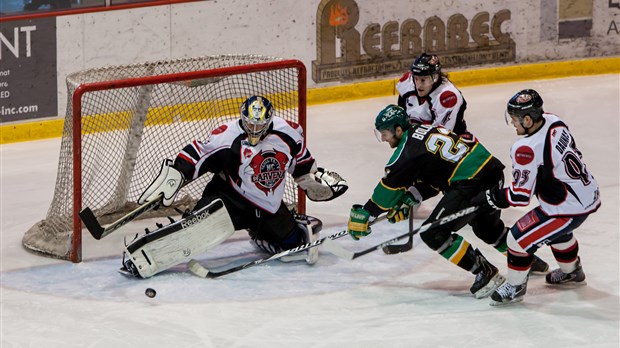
[416,299]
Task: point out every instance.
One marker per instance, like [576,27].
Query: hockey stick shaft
[199,270]
[350,255]
[97,231]
[408,245]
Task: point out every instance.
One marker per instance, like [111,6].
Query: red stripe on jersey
[542,231]
[186,158]
[522,190]
[517,199]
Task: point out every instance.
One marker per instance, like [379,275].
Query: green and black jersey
[432,158]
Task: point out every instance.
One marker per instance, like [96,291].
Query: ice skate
[507,294]
[487,278]
[129,270]
[539,267]
[574,278]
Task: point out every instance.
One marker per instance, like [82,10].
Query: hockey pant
[271,232]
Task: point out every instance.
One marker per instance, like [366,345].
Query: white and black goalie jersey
[257,172]
[549,165]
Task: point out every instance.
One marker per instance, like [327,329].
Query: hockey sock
[458,251]
[566,254]
[519,264]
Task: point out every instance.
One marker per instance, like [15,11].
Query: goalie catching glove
[168,182]
[322,185]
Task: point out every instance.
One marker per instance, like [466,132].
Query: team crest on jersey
[448,99]
[247,153]
[268,170]
[524,155]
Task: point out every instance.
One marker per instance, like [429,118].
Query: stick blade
[397,248]
[92,225]
[331,246]
[197,269]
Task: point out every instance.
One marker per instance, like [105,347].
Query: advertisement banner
[28,69]
[347,50]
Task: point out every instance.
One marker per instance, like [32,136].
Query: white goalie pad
[182,240]
[322,185]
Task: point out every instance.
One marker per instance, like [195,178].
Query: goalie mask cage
[122,121]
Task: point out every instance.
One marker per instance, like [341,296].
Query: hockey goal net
[122,121]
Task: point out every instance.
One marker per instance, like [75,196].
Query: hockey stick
[338,250]
[401,248]
[97,231]
[200,271]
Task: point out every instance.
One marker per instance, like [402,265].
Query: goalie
[249,158]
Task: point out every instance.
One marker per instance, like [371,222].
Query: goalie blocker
[178,242]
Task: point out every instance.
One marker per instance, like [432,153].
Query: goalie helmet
[525,102]
[390,117]
[425,65]
[256,117]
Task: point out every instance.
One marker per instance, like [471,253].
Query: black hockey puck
[150,292]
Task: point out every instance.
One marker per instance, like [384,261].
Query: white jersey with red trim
[549,165]
[257,172]
[444,106]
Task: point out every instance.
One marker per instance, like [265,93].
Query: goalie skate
[311,226]
[178,242]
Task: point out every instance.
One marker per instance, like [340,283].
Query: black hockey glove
[490,199]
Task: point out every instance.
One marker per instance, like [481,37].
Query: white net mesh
[127,131]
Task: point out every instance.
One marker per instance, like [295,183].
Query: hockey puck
[150,292]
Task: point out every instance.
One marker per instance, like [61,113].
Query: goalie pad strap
[182,240]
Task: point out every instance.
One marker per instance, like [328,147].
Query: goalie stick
[339,251]
[401,248]
[200,271]
[97,231]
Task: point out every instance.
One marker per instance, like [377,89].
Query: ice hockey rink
[414,299]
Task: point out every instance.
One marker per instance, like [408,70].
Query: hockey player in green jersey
[428,160]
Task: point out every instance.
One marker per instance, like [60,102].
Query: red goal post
[123,120]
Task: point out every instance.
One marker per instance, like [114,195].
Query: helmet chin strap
[527,129]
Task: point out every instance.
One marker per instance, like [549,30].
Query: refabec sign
[389,48]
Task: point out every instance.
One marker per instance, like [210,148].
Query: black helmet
[425,65]
[526,102]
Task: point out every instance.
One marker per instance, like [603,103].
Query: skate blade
[567,285]
[506,303]
[124,272]
[495,283]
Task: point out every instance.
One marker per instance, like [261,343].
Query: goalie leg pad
[180,241]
